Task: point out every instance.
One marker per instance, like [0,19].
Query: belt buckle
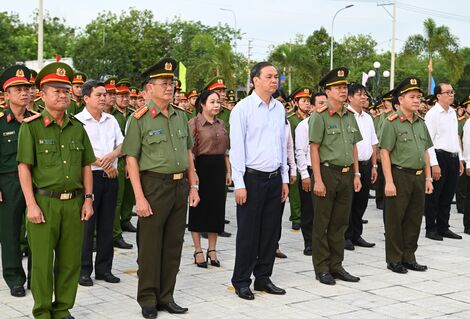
[177,176]
[272,174]
[419,172]
[345,169]
[65,196]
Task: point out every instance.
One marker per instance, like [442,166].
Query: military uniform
[160,145]
[12,203]
[192,112]
[76,106]
[56,155]
[407,143]
[336,134]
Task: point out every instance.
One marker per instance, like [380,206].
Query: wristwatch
[357,174]
[375,166]
[195,186]
[91,195]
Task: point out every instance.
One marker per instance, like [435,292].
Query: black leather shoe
[348,245]
[467,231]
[108,277]
[345,276]
[245,293]
[361,242]
[308,251]
[397,267]
[226,221]
[433,235]
[295,226]
[129,227]
[280,254]
[413,265]
[18,291]
[85,281]
[149,312]
[365,221]
[450,234]
[120,243]
[380,205]
[325,278]
[270,288]
[172,307]
[225,234]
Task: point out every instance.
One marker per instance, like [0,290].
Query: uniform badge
[153,112]
[340,73]
[402,118]
[331,112]
[155,132]
[46,121]
[168,66]
[19,73]
[61,72]
[413,82]
[9,118]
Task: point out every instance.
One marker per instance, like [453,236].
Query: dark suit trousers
[104,205]
[306,212]
[258,223]
[437,207]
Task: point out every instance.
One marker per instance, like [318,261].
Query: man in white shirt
[466,158]
[442,125]
[106,139]
[367,156]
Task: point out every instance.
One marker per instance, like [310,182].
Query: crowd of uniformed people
[79,157]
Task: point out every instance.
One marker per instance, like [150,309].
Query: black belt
[447,153]
[175,177]
[364,163]
[342,169]
[9,174]
[267,175]
[100,173]
[59,195]
[413,171]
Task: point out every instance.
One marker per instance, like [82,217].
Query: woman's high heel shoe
[201,264]
[216,262]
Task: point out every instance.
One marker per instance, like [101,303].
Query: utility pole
[248,66]
[392,59]
[290,68]
[40,34]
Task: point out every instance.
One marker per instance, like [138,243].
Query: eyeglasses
[449,92]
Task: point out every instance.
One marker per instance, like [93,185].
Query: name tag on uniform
[332,126]
[155,132]
[47,142]
[8,133]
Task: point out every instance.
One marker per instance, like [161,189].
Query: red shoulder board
[31,118]
[392,117]
[324,107]
[138,114]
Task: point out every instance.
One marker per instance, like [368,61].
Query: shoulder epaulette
[323,108]
[74,118]
[31,118]
[419,116]
[138,114]
[33,112]
[179,107]
[290,115]
[1,114]
[387,111]
[226,108]
[37,99]
[350,109]
[392,117]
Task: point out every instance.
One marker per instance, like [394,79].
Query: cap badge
[220,81]
[168,66]
[112,82]
[413,82]
[19,73]
[306,91]
[340,73]
[61,72]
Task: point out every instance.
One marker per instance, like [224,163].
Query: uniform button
[46,151]
[217,134]
[178,163]
[171,135]
[65,162]
[9,141]
[62,146]
[175,149]
[66,177]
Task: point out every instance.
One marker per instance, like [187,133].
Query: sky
[270,22]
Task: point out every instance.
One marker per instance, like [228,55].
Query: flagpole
[40,34]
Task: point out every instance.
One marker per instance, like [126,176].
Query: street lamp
[235,20]
[375,74]
[332,29]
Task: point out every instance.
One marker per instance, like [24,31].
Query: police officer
[333,135]
[76,102]
[301,98]
[14,81]
[405,162]
[54,155]
[191,108]
[159,160]
[110,86]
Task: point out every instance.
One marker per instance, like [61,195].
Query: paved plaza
[441,292]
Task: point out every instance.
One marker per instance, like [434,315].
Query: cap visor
[59,85]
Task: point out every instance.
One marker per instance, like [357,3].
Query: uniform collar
[331,111]
[155,110]
[47,119]
[402,117]
[10,116]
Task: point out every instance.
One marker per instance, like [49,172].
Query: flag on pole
[433,85]
[365,77]
[182,76]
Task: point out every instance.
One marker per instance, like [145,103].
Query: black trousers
[359,203]
[104,205]
[306,212]
[437,206]
[258,230]
[466,210]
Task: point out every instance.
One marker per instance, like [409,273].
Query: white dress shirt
[443,129]
[302,148]
[290,151]
[257,138]
[105,134]
[466,144]
[369,138]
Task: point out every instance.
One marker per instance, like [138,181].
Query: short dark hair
[256,70]
[89,85]
[438,88]
[313,99]
[353,88]
[202,99]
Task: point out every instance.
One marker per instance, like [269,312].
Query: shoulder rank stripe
[323,108]
[138,114]
[31,118]
[392,117]
[290,115]
[1,114]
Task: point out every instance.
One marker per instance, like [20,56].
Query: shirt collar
[87,115]
[154,109]
[203,121]
[47,119]
[441,109]
[258,101]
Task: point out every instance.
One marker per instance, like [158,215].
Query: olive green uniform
[380,184]
[12,203]
[336,134]
[75,107]
[294,194]
[191,112]
[125,197]
[407,143]
[56,155]
[160,144]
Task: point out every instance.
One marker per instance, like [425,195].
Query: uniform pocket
[47,155]
[9,145]
[76,152]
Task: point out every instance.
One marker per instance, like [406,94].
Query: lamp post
[235,24]
[332,29]
[375,74]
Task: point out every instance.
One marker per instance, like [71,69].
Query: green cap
[302,91]
[335,77]
[58,74]
[79,78]
[164,68]
[123,86]
[15,75]
[216,83]
[409,84]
